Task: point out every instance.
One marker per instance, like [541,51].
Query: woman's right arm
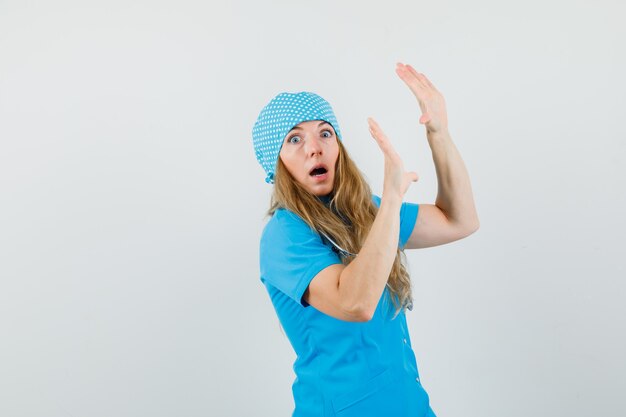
[363,281]
[352,292]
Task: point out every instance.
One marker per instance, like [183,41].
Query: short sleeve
[292,254]
[408,217]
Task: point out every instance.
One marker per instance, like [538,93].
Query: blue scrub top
[342,368]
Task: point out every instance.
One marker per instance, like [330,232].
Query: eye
[292,139]
[330,133]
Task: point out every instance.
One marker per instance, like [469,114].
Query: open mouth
[318,171]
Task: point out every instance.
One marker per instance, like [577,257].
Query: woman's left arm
[453,215]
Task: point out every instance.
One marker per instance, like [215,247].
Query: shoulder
[286,225]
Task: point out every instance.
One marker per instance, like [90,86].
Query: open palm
[431,101]
[397,180]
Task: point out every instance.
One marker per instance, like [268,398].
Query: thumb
[425,118]
[413,176]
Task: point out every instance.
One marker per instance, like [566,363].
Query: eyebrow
[321,123]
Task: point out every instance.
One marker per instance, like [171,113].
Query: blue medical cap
[278,117]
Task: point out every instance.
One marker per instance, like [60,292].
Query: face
[309,153]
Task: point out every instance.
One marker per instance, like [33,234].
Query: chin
[320,191]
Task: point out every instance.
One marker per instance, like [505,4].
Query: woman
[331,256]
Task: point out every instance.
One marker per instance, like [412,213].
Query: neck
[325,199]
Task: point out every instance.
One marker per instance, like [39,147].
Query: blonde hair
[347,220]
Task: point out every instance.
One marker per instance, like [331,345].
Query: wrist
[390,199]
[438,135]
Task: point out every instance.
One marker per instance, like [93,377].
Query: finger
[377,133]
[417,76]
[383,141]
[421,77]
[410,79]
[375,127]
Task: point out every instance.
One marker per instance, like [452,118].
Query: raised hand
[397,180]
[431,102]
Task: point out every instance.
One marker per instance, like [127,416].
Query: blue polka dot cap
[278,117]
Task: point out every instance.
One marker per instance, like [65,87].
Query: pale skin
[352,292]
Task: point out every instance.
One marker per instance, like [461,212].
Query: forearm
[363,281]
[454,195]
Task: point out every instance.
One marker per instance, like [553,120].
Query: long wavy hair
[347,219]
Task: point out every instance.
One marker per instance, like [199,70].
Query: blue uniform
[342,368]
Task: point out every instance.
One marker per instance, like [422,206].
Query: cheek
[291,163]
[335,156]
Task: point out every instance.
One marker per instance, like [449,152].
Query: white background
[131,203]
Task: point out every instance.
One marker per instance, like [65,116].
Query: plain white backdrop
[131,203]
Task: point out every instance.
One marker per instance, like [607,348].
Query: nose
[313,146]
